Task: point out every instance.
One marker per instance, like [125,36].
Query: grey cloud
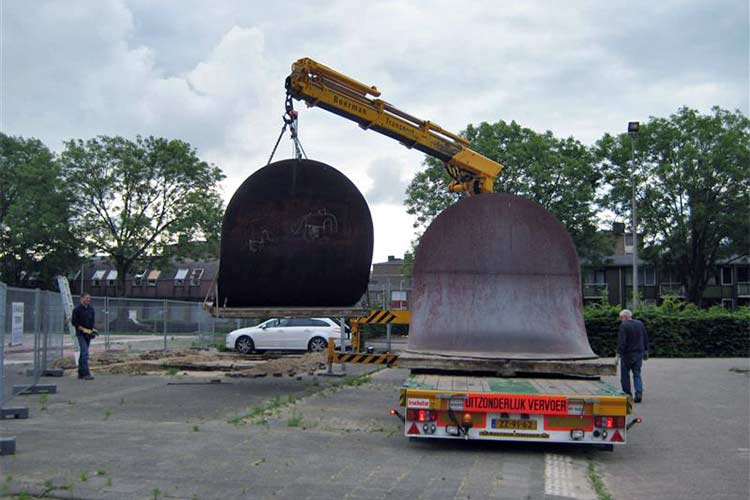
[388,186]
[706,40]
[213,75]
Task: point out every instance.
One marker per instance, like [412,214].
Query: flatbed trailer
[559,410]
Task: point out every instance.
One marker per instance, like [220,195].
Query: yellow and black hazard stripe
[368,359]
[379,317]
[385,316]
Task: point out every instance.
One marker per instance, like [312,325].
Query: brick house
[729,286]
[184,280]
[389,286]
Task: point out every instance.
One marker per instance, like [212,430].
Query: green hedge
[676,330]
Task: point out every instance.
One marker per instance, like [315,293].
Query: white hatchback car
[292,334]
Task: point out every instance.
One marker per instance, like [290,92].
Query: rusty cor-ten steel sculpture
[297,233]
[497,276]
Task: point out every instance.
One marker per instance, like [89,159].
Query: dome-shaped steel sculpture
[497,276]
[297,233]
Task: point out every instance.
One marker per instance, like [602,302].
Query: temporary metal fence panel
[54,329]
[132,324]
[22,357]
[33,337]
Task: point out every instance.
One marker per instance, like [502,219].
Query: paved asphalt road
[142,437]
[695,439]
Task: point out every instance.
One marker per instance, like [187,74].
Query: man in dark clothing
[83,321]
[632,346]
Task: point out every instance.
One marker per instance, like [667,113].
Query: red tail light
[609,422]
[421,415]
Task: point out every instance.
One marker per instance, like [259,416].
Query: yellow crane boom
[321,86]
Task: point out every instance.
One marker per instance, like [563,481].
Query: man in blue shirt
[632,346]
[83,321]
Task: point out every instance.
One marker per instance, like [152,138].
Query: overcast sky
[212,74]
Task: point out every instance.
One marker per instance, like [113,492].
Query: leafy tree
[35,213]
[141,200]
[559,174]
[693,184]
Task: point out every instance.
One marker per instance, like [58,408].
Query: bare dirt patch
[201,362]
[291,366]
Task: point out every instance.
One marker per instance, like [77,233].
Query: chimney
[391,258]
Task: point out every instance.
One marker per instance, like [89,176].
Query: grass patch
[196,428]
[273,408]
[5,487]
[107,414]
[355,381]
[260,414]
[295,420]
[598,483]
[172,371]
[43,402]
[50,488]
[84,476]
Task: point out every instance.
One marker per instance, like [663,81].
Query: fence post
[106,323]
[3,296]
[164,315]
[64,326]
[37,328]
[213,331]
[46,327]
[388,336]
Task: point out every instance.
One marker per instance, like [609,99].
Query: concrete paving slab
[130,436]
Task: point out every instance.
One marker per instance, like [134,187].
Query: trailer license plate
[529,425]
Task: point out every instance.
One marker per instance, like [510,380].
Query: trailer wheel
[245,345]
[317,344]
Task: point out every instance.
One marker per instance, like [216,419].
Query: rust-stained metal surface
[297,233]
[497,276]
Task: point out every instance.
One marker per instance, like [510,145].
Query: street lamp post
[633,129]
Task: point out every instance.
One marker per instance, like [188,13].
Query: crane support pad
[509,367]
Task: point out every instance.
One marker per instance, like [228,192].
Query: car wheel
[317,344]
[245,345]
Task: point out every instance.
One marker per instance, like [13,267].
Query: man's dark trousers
[631,361]
[83,361]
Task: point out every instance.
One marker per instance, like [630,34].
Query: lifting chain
[290,120]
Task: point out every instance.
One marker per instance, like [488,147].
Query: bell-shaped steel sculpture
[297,233]
[497,276]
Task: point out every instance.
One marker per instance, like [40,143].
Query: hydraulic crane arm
[321,86]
